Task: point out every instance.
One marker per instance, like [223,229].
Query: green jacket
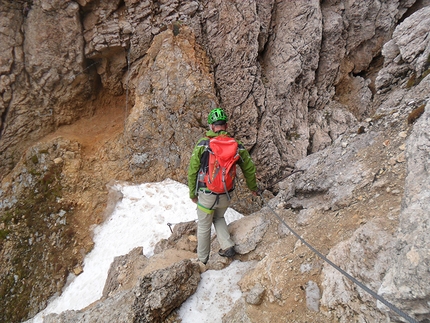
[245,163]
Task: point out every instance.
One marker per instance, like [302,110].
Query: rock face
[36,215]
[407,251]
[268,72]
[43,85]
[174,92]
[94,91]
[407,280]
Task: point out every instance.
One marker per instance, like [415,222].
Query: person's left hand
[195,199]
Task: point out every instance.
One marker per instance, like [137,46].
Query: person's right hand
[195,199]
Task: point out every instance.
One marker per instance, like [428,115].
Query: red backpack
[223,155]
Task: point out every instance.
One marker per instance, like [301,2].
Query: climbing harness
[368,290]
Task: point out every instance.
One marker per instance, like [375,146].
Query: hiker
[212,204]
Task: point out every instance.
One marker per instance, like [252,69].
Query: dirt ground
[93,132]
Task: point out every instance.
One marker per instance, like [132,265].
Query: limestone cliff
[94,91]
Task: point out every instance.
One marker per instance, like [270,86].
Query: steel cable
[343,272]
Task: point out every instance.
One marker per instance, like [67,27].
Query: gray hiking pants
[205,219]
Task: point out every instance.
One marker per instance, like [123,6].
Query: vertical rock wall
[289,75]
[289,65]
[43,79]
[174,92]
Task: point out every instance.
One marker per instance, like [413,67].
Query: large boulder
[152,299]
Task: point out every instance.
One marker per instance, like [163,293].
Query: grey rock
[248,232]
[255,295]
[184,236]
[312,296]
[123,272]
[330,176]
[407,52]
[152,300]
[407,282]
[365,256]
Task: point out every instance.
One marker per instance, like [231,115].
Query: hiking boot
[202,265]
[229,252]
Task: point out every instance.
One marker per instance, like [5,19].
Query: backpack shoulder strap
[204,142]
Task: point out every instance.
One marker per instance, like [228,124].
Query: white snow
[215,295]
[140,219]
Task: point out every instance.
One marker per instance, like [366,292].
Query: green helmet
[216,115]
